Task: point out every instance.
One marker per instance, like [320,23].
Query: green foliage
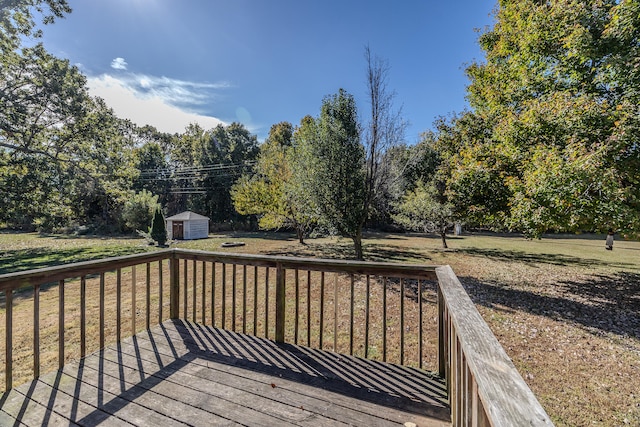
[335,161]
[423,209]
[138,210]
[158,230]
[207,165]
[552,141]
[151,160]
[66,159]
[401,168]
[17,19]
[272,193]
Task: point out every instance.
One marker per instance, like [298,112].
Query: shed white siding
[194,226]
[196,229]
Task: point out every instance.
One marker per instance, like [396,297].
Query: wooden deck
[182,373]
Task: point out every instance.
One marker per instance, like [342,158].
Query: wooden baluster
[213,294]
[134,309]
[83,315]
[101,315]
[118,303]
[148,308]
[309,308]
[255,300]
[174,287]
[420,327]
[224,296]
[8,362]
[281,298]
[384,319]
[185,288]
[204,292]
[60,324]
[148,293]
[160,291]
[335,312]
[194,280]
[266,303]
[244,299]
[351,314]
[401,321]
[36,331]
[233,298]
[297,307]
[321,308]
[366,320]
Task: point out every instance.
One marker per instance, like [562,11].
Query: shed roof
[186,216]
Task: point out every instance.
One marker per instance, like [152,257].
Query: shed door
[178,230]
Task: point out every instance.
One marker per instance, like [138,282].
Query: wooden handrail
[417,271]
[485,388]
[41,276]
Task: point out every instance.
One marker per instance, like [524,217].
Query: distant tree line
[66,160]
[550,142]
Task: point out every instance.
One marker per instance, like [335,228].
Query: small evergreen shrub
[159,227]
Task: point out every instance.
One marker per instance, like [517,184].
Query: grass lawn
[566,310]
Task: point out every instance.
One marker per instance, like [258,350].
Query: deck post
[174,287]
[280,303]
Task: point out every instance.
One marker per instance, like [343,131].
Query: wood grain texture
[184,373]
[503,394]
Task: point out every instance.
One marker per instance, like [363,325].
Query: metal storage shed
[187,226]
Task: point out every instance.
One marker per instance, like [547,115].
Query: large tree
[426,210]
[64,157]
[336,167]
[551,141]
[272,192]
[206,164]
[383,131]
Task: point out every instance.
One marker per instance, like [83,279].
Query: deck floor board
[182,373]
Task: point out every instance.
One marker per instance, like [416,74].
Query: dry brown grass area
[566,311]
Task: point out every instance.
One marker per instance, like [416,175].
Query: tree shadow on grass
[531,258]
[266,235]
[608,304]
[34,258]
[344,250]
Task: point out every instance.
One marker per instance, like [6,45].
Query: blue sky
[168,63]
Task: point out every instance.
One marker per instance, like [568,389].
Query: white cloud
[162,102]
[119,64]
[173,91]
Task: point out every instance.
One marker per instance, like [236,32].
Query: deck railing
[413,315]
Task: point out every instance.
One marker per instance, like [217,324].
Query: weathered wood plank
[27,412]
[90,405]
[64,405]
[406,382]
[78,269]
[166,377]
[311,397]
[314,264]
[196,395]
[8,420]
[503,393]
[168,399]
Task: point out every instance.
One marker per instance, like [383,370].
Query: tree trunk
[300,235]
[357,244]
[443,236]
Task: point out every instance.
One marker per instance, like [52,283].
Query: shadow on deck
[182,373]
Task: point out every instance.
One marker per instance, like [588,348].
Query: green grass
[28,251]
